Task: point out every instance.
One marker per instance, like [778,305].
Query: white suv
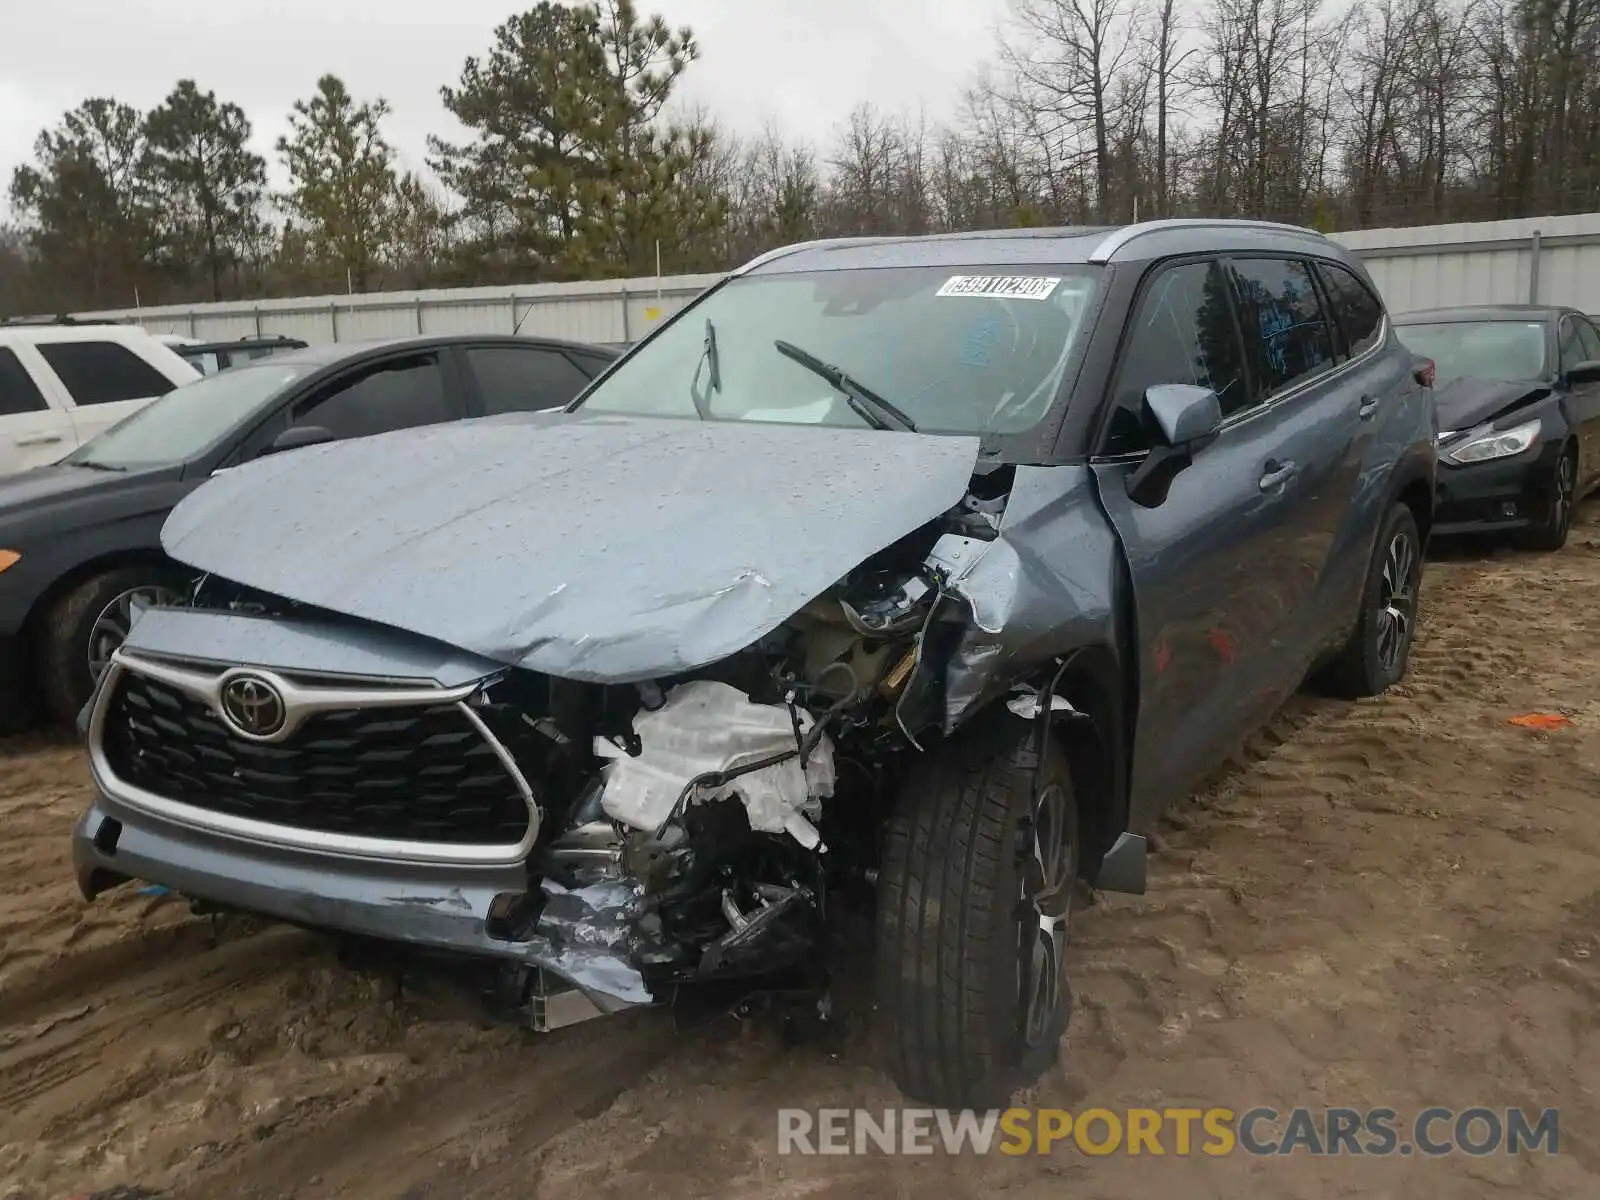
[61,383]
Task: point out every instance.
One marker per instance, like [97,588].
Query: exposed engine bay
[694,828]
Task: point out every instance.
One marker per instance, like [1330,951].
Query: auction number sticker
[1000,287]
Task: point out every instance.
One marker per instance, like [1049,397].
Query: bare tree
[1063,57]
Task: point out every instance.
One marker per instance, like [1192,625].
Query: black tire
[953,919]
[62,652]
[1369,663]
[1551,533]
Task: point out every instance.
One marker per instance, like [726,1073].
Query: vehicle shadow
[1485,547]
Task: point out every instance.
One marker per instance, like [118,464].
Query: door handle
[37,439]
[1276,474]
[1368,409]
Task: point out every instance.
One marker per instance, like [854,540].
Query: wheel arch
[1418,495]
[1091,680]
[99,564]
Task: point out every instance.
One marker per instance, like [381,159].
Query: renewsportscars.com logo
[1261,1131]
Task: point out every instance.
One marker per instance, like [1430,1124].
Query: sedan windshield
[941,350]
[188,420]
[1512,351]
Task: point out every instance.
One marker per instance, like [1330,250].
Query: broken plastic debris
[1540,720]
[1028,706]
[704,727]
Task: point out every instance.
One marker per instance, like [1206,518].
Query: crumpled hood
[1463,403]
[591,547]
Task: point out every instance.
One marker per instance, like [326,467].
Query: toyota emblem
[253,706]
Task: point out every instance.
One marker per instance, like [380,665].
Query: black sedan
[80,541]
[1518,394]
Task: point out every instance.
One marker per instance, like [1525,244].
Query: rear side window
[523,379]
[1183,331]
[592,364]
[396,395]
[103,372]
[1286,335]
[1357,313]
[18,393]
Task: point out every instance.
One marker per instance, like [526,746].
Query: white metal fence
[1550,260]
[1543,260]
[606,311]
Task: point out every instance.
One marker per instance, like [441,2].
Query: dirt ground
[1388,903]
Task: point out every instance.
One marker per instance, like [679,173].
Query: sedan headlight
[1494,443]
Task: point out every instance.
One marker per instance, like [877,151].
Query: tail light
[1424,373]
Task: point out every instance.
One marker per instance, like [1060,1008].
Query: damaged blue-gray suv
[924,570]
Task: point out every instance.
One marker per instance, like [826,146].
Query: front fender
[1045,586]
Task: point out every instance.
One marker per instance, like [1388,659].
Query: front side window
[103,372]
[1512,351]
[1589,339]
[957,350]
[1284,327]
[400,394]
[1572,352]
[1183,331]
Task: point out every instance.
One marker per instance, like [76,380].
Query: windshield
[1512,351]
[946,350]
[188,420]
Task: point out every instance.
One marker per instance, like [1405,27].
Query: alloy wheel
[110,628]
[1397,601]
[1048,875]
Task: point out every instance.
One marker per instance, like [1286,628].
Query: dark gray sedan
[1518,391]
[80,540]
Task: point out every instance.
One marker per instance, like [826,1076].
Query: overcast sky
[805,65]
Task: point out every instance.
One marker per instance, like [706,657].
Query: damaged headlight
[1494,443]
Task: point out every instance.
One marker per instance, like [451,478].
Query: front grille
[420,774]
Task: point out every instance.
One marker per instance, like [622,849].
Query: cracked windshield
[941,350]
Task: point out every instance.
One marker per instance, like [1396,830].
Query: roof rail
[1115,241]
[762,259]
[58,319]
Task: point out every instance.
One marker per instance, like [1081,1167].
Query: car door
[401,391]
[1316,356]
[1213,588]
[511,378]
[1584,405]
[104,380]
[35,429]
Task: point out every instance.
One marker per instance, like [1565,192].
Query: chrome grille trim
[301,702]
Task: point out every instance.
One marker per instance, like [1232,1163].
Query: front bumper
[1496,496]
[578,937]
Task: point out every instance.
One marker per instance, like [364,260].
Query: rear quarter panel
[1400,452]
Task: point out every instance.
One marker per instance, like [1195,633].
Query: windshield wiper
[871,407]
[708,358]
[95,464]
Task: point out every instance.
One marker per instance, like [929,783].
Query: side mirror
[1584,372]
[1184,413]
[1188,418]
[299,435]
